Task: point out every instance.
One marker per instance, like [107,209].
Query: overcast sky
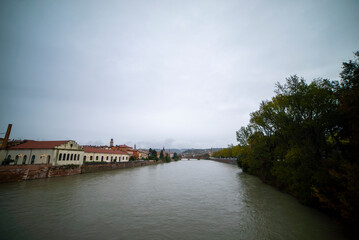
[178,74]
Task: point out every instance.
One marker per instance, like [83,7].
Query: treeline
[305,141]
[230,152]
[163,156]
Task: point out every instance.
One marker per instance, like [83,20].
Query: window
[68,156]
[84,158]
[71,145]
[64,157]
[72,157]
[111,158]
[60,156]
[78,157]
[16,159]
[106,158]
[91,158]
[101,158]
[32,159]
[96,158]
[24,160]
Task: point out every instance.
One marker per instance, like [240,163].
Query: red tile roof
[123,146]
[101,150]
[39,145]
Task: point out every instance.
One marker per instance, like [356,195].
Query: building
[92,154]
[143,154]
[164,153]
[44,152]
[122,148]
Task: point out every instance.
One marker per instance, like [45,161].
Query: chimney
[4,144]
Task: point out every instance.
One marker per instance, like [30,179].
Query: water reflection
[276,215]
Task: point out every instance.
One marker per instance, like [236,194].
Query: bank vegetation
[305,141]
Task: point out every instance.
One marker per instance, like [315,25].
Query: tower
[111,142]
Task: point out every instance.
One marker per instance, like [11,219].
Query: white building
[45,152]
[59,153]
[92,154]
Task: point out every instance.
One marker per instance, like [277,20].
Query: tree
[152,154]
[305,141]
[175,156]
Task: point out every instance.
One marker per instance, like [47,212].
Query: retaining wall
[13,173]
[88,168]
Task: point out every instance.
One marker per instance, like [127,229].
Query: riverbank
[225,160]
[15,173]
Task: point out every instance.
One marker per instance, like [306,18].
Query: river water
[179,200]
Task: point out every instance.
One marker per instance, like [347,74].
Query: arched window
[68,156]
[106,158]
[84,158]
[96,158]
[101,158]
[72,156]
[78,157]
[32,159]
[90,158]
[24,160]
[111,158]
[16,159]
[60,156]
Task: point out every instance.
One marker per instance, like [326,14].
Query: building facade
[92,154]
[59,153]
[44,152]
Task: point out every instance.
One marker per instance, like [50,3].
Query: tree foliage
[305,141]
[175,156]
[230,152]
[152,155]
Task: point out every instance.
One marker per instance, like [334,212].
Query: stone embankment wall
[89,168]
[15,173]
[225,160]
[27,172]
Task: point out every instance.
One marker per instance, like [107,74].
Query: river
[179,200]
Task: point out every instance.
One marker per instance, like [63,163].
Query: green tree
[175,156]
[305,141]
[152,154]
